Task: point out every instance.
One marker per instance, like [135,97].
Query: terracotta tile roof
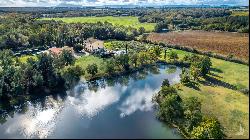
[58,50]
[55,50]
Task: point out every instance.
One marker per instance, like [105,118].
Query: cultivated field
[125,21]
[223,43]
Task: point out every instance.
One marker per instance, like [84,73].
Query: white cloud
[23,3]
[90,103]
[39,121]
[140,100]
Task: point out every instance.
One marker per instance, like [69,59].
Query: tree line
[125,63]
[46,73]
[155,16]
[197,19]
[19,32]
[146,14]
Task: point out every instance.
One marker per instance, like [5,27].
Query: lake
[107,108]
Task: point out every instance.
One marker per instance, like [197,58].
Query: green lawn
[24,58]
[231,107]
[125,21]
[233,73]
[84,61]
[240,13]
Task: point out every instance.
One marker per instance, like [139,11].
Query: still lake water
[115,108]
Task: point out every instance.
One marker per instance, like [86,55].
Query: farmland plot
[234,44]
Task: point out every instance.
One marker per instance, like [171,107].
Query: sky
[49,3]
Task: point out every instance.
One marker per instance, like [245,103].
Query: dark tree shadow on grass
[211,81]
[216,70]
[193,85]
[216,75]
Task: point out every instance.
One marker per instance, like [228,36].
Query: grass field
[231,107]
[223,43]
[240,13]
[125,21]
[24,58]
[84,61]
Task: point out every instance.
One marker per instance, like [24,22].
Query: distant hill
[68,5]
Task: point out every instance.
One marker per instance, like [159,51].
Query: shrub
[185,78]
[165,83]
[92,69]
[110,66]
[78,47]
[209,128]
[170,109]
[71,74]
[173,55]
[192,113]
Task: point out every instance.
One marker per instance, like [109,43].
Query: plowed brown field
[223,43]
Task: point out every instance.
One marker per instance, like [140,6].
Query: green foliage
[231,23]
[92,69]
[6,59]
[44,33]
[122,61]
[110,66]
[165,91]
[32,78]
[199,65]
[9,81]
[192,113]
[78,47]
[205,65]
[18,79]
[141,30]
[157,50]
[22,78]
[208,129]
[139,55]
[65,58]
[165,83]
[173,56]
[47,69]
[186,114]
[161,25]
[143,58]
[190,58]
[133,59]
[71,75]
[170,109]
[195,71]
[84,61]
[185,77]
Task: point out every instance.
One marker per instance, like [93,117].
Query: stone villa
[92,45]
